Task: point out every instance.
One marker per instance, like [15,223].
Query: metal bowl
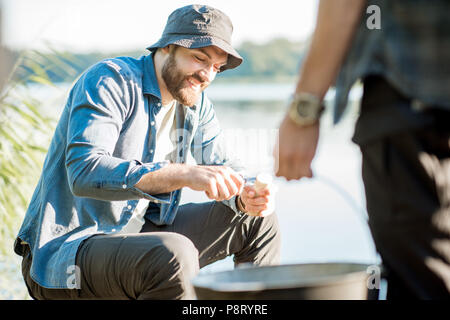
[316,281]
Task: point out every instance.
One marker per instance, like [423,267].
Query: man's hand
[218,182]
[296,150]
[259,204]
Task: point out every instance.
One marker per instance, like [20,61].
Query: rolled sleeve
[137,174]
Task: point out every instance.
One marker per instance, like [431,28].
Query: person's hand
[218,182]
[261,203]
[296,149]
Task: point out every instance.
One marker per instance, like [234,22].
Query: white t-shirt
[165,130]
[164,150]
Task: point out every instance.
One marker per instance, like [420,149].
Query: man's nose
[208,73]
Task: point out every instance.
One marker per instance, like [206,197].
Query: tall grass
[26,127]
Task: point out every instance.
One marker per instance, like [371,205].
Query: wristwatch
[305,109]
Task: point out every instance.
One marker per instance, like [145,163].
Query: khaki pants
[160,262]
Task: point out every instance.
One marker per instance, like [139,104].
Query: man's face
[187,72]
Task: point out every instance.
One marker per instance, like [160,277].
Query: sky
[122,25]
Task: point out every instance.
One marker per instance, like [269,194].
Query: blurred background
[47,44]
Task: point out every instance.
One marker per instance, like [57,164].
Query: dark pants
[406,174]
[160,262]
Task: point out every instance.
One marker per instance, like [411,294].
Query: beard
[177,82]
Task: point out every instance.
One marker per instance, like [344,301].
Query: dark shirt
[411,51]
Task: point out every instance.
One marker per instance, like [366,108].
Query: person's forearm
[170,178]
[336,22]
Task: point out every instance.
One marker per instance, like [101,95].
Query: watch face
[305,110]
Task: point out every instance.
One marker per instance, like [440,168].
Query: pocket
[376,167]
[409,188]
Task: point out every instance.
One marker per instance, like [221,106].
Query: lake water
[321,219]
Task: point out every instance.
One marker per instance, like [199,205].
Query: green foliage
[25,131]
[274,60]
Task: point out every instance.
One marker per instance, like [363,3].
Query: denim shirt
[103,144]
[411,51]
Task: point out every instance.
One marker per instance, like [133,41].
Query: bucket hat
[197,26]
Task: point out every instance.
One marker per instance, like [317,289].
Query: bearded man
[105,221]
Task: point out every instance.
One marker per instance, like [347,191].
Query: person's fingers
[310,173]
[212,191]
[280,168]
[231,183]
[289,170]
[249,192]
[258,201]
[283,157]
[305,168]
[256,204]
[296,166]
[298,170]
[237,179]
[222,188]
[250,195]
[289,165]
[266,191]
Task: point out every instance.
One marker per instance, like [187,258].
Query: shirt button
[152,123]
[124,186]
[129,207]
[151,151]
[113,230]
[159,104]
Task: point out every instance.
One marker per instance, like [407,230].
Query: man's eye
[199,59]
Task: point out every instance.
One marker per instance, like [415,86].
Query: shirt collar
[150,82]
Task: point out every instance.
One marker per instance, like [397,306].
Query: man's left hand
[261,203]
[296,149]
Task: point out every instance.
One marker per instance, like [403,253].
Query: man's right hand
[218,182]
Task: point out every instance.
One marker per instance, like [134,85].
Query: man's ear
[166,49]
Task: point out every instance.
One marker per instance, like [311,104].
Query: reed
[25,132]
